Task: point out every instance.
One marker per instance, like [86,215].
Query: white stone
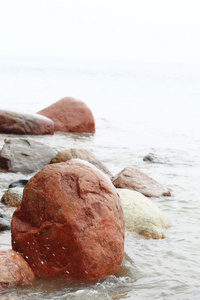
[142,215]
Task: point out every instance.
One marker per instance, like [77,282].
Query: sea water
[139,108]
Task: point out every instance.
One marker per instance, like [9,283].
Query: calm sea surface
[138,109]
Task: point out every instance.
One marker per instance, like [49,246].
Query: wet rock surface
[70,223]
[12,122]
[5,217]
[70,115]
[152,158]
[18,183]
[142,215]
[134,179]
[14,270]
[80,153]
[24,155]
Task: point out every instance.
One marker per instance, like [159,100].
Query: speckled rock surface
[13,196]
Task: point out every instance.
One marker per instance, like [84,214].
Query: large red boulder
[70,115]
[134,179]
[14,270]
[12,122]
[70,223]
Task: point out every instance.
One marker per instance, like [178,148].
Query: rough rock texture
[70,223]
[142,215]
[80,154]
[24,155]
[134,179]
[14,270]
[12,122]
[13,196]
[70,115]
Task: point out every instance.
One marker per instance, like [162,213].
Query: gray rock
[4,224]
[152,158]
[24,155]
[18,183]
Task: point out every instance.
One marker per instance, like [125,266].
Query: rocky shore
[69,219]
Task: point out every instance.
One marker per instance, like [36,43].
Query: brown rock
[70,223]
[80,153]
[12,122]
[70,115]
[134,179]
[14,270]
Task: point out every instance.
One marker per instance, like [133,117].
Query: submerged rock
[70,115]
[5,217]
[18,183]
[14,270]
[12,122]
[70,223]
[142,215]
[152,158]
[24,155]
[80,153]
[4,224]
[134,179]
[13,196]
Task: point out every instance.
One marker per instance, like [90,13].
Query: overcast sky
[138,30]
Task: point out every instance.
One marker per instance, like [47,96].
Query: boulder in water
[12,122]
[134,179]
[70,223]
[70,115]
[24,156]
[142,215]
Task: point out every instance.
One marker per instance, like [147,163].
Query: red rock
[12,122]
[70,223]
[70,115]
[134,179]
[14,270]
